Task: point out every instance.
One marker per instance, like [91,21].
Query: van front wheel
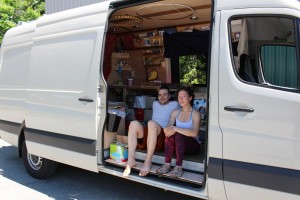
[37,166]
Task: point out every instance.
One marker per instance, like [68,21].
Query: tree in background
[14,11]
[192,69]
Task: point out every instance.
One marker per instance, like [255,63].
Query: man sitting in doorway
[162,110]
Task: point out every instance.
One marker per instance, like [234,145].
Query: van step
[186,177]
[160,160]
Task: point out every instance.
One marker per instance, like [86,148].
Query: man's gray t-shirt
[162,113]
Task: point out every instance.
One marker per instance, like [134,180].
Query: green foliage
[192,69]
[14,11]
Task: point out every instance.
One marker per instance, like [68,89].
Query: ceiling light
[165,11]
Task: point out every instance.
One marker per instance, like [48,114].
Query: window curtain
[280,65]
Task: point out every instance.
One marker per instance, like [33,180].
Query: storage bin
[139,114]
[118,152]
[130,101]
[149,102]
[139,102]
[113,121]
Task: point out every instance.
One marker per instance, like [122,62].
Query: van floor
[199,157]
[193,165]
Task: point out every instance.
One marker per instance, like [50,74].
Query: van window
[264,51]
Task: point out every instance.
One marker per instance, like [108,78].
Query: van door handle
[86,100]
[238,109]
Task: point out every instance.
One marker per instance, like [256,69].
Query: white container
[149,101]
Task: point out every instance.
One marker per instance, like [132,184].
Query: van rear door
[61,100]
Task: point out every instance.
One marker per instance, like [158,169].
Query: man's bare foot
[145,169]
[128,168]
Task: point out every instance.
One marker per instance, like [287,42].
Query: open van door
[259,117]
[61,100]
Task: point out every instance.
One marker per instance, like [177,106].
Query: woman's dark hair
[189,90]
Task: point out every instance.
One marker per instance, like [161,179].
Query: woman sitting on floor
[181,138]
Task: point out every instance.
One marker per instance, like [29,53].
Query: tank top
[188,124]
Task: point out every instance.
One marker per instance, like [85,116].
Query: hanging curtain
[186,43]
[280,65]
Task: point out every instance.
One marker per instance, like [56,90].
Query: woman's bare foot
[145,169]
[128,168]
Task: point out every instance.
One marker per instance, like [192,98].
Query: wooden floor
[190,177]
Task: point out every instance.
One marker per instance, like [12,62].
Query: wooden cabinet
[120,60]
[152,46]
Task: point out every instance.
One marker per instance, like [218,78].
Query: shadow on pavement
[75,183]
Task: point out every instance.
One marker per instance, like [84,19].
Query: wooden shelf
[120,55]
[148,47]
[155,65]
[124,67]
[153,53]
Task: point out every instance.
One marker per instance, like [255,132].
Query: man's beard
[163,103]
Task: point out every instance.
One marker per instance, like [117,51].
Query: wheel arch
[21,138]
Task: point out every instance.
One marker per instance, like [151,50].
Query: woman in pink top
[181,138]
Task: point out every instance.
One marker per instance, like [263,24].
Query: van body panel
[14,60]
[19,35]
[61,98]
[263,145]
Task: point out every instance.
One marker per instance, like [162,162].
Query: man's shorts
[142,142]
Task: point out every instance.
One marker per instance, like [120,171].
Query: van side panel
[14,61]
[62,86]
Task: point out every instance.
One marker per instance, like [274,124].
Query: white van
[60,73]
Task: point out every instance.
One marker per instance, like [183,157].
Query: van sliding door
[61,100]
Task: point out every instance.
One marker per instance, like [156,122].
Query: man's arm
[168,130]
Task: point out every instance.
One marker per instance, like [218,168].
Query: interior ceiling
[161,14]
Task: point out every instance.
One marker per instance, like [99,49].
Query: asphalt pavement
[69,183]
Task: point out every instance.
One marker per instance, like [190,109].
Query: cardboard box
[118,152]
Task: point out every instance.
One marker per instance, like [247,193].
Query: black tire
[37,166]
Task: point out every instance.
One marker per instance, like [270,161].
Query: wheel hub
[35,161]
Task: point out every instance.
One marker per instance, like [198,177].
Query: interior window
[264,51]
